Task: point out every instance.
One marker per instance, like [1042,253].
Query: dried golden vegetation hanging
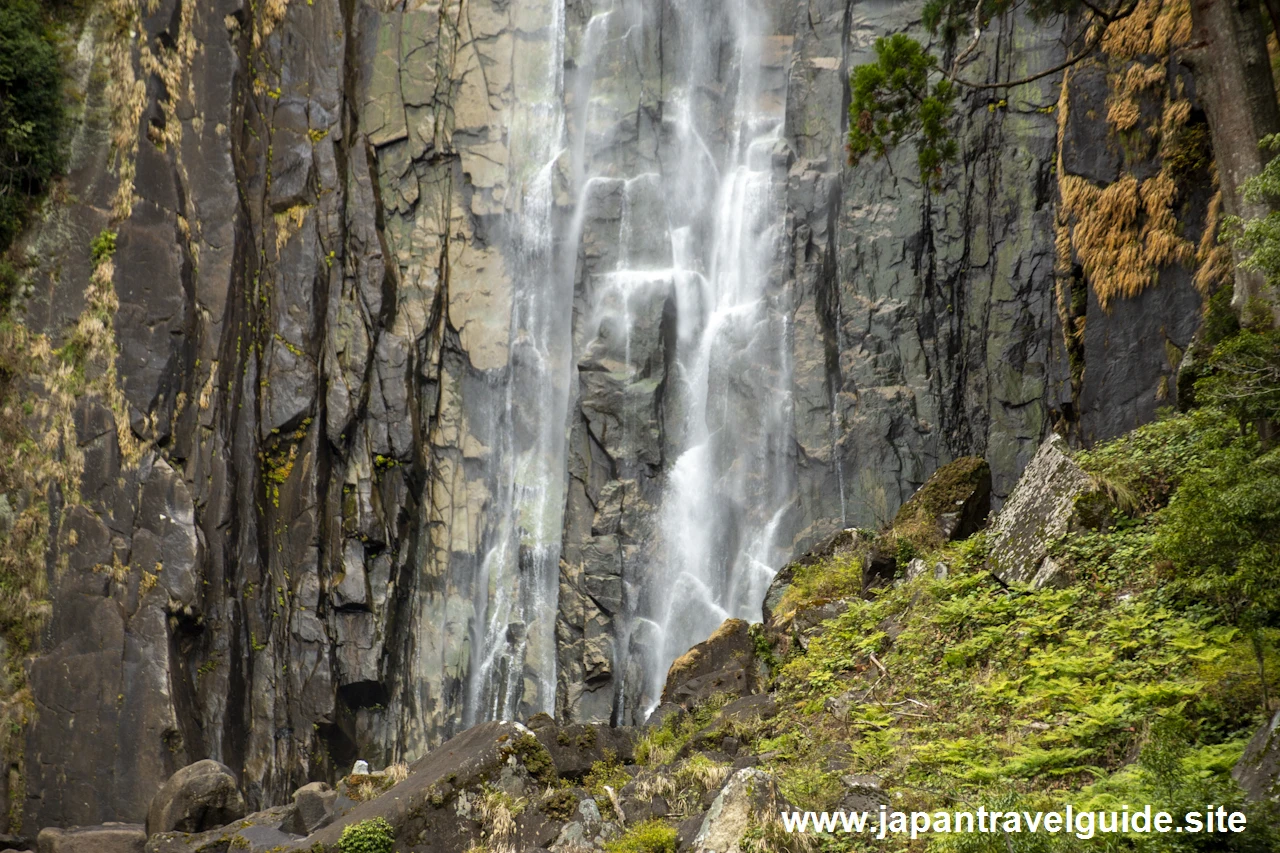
[1123,234]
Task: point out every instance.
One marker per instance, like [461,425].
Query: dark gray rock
[425,809]
[576,747]
[258,832]
[1258,770]
[198,797]
[106,838]
[314,804]
[952,504]
[723,663]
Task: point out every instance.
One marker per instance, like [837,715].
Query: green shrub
[1244,376]
[368,836]
[652,836]
[103,246]
[31,113]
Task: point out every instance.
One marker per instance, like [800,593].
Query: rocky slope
[262,413]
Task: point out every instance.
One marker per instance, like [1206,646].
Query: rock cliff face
[359,453]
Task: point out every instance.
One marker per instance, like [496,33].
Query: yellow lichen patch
[1213,258]
[273,12]
[1154,27]
[127,97]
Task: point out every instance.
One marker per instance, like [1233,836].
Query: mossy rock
[953,504]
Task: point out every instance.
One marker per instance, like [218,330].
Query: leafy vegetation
[894,100]
[1259,238]
[31,112]
[652,836]
[1139,681]
[368,836]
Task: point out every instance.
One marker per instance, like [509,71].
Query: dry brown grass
[1213,259]
[1124,233]
[1154,27]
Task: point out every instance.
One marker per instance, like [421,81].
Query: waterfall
[644,233]
[717,201]
[513,665]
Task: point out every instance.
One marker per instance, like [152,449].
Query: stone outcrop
[749,798]
[724,663]
[1053,497]
[1258,770]
[575,748]
[438,807]
[106,838]
[200,796]
[953,504]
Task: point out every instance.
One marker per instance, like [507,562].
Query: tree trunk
[1228,52]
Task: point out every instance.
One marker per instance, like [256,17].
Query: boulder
[313,807]
[723,663]
[1258,770]
[745,800]
[739,716]
[105,838]
[1053,497]
[952,504]
[259,832]
[198,797]
[575,748]
[839,543]
[439,805]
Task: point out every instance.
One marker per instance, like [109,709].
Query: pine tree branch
[1094,41]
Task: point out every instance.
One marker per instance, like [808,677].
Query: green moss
[652,836]
[534,756]
[560,804]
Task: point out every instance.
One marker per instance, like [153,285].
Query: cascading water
[672,303]
[513,664]
[718,203]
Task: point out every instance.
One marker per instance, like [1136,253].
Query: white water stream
[714,211]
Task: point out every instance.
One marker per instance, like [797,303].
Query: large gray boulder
[198,797]
[105,838]
[1258,770]
[314,805]
[746,800]
[1054,496]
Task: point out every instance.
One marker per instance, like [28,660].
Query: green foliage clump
[368,836]
[893,100]
[1258,238]
[31,113]
[1141,469]
[607,772]
[1244,376]
[824,581]
[103,246]
[661,744]
[535,758]
[652,836]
